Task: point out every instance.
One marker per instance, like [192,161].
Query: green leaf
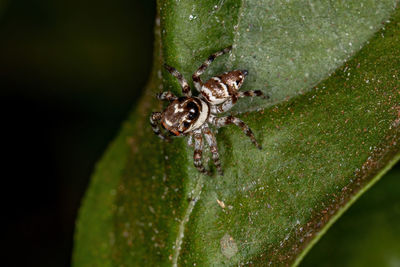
[148,206]
[287,47]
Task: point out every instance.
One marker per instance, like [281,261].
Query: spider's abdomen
[219,89]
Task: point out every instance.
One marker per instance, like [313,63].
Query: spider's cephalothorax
[191,116]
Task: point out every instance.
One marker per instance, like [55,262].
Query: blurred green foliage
[70,72]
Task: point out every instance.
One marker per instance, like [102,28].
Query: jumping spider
[190,115]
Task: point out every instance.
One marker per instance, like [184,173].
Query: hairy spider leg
[212,142]
[182,81]
[198,151]
[190,140]
[228,104]
[155,117]
[222,121]
[196,76]
[252,93]
[166,96]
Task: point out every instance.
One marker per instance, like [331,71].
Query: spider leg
[252,93]
[168,96]
[155,117]
[198,151]
[190,140]
[181,80]
[196,76]
[214,148]
[227,105]
[222,121]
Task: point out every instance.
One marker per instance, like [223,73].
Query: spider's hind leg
[182,81]
[222,121]
[212,142]
[227,105]
[198,151]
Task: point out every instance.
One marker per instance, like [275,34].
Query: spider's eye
[186,124]
[193,110]
[192,115]
[191,105]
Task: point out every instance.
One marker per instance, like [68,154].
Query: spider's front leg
[155,117]
[222,121]
[198,151]
[196,76]
[212,142]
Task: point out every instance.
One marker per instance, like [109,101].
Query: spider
[191,115]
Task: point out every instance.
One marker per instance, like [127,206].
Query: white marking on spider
[202,118]
[225,88]
[177,109]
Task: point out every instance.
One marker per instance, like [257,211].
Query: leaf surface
[286,47]
[148,206]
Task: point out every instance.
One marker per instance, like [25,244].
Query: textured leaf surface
[287,47]
[147,205]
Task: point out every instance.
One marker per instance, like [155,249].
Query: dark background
[70,72]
